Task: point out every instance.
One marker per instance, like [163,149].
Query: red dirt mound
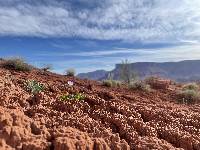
[108,118]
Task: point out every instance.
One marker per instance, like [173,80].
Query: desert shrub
[47,67]
[111,83]
[72,97]
[127,75]
[151,79]
[34,87]
[140,85]
[107,83]
[191,86]
[70,72]
[17,64]
[188,96]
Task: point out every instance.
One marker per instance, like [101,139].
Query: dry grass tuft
[17,64]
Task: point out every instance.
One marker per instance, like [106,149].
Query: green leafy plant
[17,64]
[65,97]
[79,97]
[140,85]
[34,87]
[72,97]
[70,72]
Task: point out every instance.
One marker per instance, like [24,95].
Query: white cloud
[100,53]
[129,20]
[187,50]
[91,63]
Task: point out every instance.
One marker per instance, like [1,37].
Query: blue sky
[88,35]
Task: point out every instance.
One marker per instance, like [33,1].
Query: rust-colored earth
[108,118]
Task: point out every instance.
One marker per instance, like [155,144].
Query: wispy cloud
[129,20]
[102,53]
[107,59]
[190,47]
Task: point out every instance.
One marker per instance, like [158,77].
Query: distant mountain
[95,75]
[183,71]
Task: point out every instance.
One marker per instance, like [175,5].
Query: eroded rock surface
[108,118]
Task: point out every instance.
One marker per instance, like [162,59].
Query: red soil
[108,118]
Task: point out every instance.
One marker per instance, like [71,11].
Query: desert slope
[108,118]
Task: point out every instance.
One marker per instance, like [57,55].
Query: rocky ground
[108,118]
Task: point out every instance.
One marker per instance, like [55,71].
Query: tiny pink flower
[70,83]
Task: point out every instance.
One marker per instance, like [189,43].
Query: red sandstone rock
[108,118]
[158,83]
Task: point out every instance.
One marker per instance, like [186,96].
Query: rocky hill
[182,71]
[103,119]
[95,75]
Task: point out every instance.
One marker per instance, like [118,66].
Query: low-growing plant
[72,97]
[111,83]
[107,83]
[191,86]
[65,97]
[79,97]
[140,85]
[34,87]
[70,72]
[47,67]
[17,64]
[188,96]
[151,79]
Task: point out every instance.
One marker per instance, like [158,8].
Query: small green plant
[34,87]
[17,64]
[70,72]
[111,83]
[188,96]
[72,97]
[65,97]
[140,85]
[191,86]
[79,97]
